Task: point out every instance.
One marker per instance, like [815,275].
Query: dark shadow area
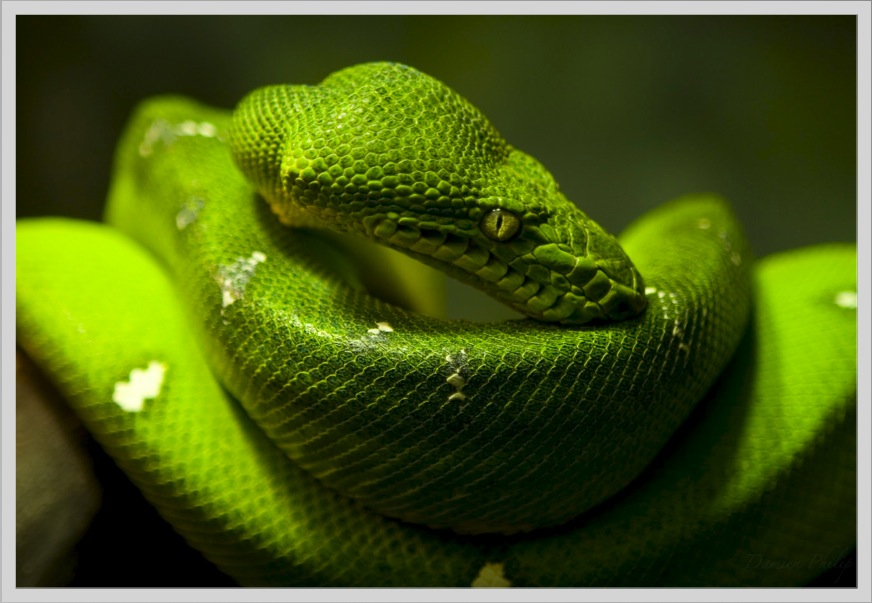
[130,546]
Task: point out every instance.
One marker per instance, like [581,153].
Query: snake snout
[626,296]
[613,284]
[578,272]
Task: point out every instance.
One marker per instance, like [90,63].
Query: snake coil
[376,442]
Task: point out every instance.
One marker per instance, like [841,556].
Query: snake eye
[500,225]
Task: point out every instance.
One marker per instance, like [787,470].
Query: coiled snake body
[382,447]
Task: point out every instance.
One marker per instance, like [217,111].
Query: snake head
[386,152]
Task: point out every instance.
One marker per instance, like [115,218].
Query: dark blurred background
[627,112]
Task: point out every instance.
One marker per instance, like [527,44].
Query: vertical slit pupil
[500,225]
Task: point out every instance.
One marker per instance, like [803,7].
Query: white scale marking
[235,277]
[381,327]
[163,131]
[144,384]
[188,213]
[491,575]
[846,299]
[456,379]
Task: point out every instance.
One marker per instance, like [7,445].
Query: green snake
[669,413]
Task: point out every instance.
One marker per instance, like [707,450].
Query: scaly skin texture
[447,424]
[474,428]
[386,152]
